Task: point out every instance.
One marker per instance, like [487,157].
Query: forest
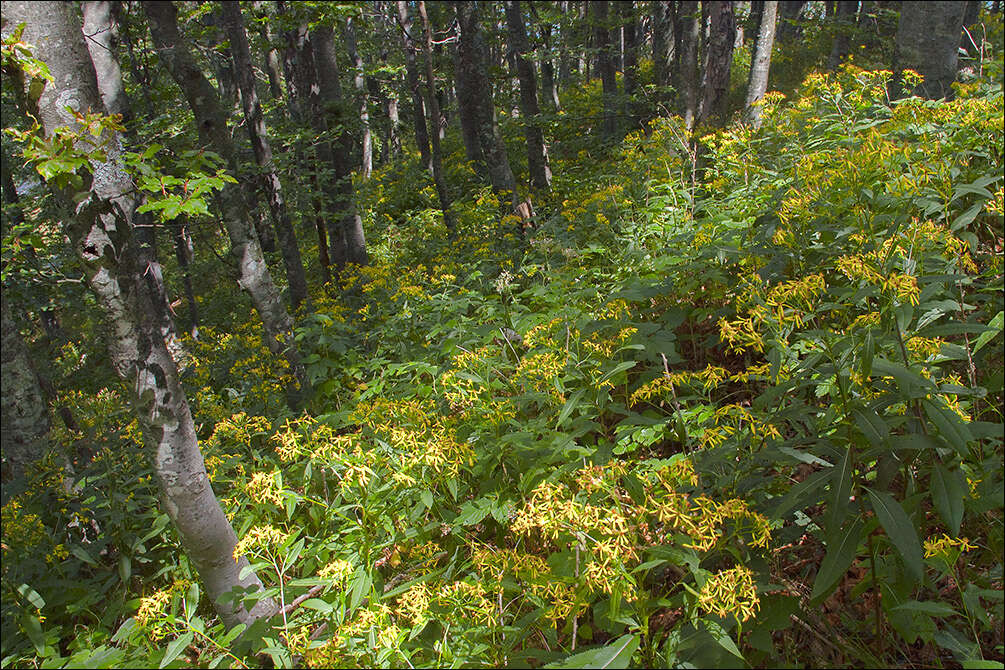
[502,334]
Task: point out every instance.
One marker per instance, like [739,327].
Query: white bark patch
[68,97]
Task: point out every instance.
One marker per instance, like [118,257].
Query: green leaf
[900,529]
[318,605]
[928,607]
[618,654]
[949,425]
[32,627]
[177,647]
[988,335]
[619,368]
[981,664]
[908,380]
[125,568]
[841,551]
[841,491]
[426,496]
[570,405]
[82,554]
[947,495]
[31,595]
[872,426]
[361,583]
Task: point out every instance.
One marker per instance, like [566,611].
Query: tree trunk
[101,235]
[101,32]
[467,102]
[233,24]
[605,65]
[351,248]
[549,83]
[433,105]
[790,11]
[414,86]
[757,84]
[715,99]
[928,40]
[537,154]
[183,254]
[272,64]
[253,273]
[305,109]
[664,37]
[26,419]
[689,60]
[844,23]
[631,57]
[475,101]
[356,61]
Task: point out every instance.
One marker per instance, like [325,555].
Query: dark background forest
[561,334]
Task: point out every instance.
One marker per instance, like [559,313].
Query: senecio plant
[755,420]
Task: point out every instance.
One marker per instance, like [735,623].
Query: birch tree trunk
[760,65]
[689,60]
[101,235]
[366,142]
[254,274]
[233,25]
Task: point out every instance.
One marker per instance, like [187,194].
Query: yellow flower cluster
[858,267]
[454,600]
[730,419]
[546,334]
[338,571]
[730,593]
[540,370]
[335,653]
[924,348]
[946,548]
[265,538]
[263,487]
[606,346]
[153,607]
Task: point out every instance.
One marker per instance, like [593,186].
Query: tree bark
[272,63]
[629,31]
[101,235]
[183,254]
[537,153]
[350,245]
[928,40]
[233,24]
[414,86]
[549,83]
[363,99]
[433,105]
[844,23]
[26,420]
[790,11]
[476,103]
[760,65]
[664,37]
[714,106]
[253,273]
[689,60]
[605,64]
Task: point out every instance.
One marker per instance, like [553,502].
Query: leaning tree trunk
[537,154]
[928,40]
[101,235]
[101,32]
[715,99]
[761,63]
[476,101]
[352,243]
[254,274]
[414,86]
[433,105]
[233,25]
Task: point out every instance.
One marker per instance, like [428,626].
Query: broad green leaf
[618,654]
[928,607]
[947,496]
[619,368]
[985,337]
[908,380]
[570,405]
[841,551]
[32,627]
[949,425]
[872,426]
[31,595]
[177,647]
[318,605]
[804,488]
[361,583]
[900,529]
[841,488]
